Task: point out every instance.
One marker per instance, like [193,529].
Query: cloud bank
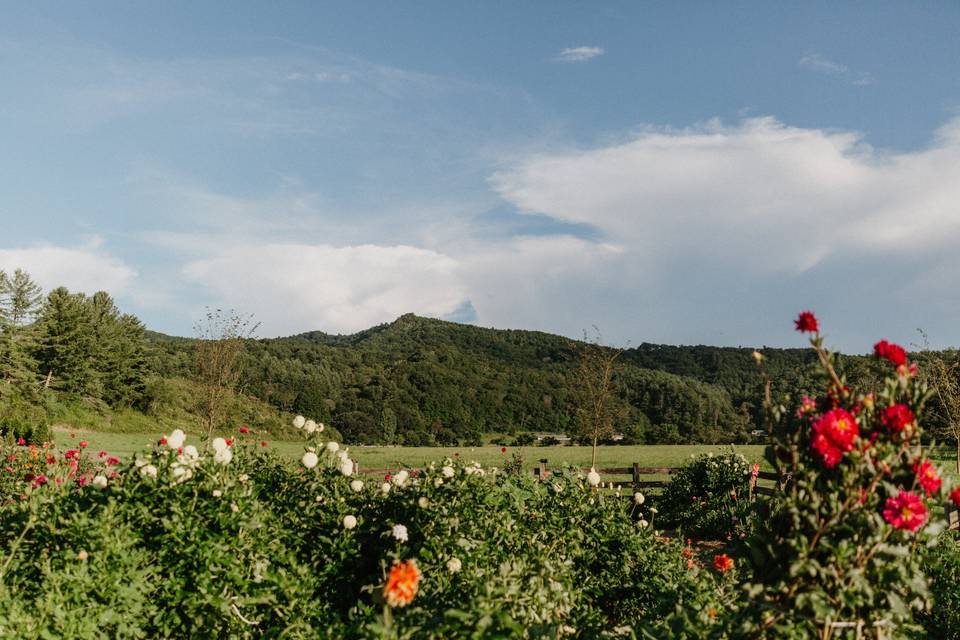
[760,215]
[87,268]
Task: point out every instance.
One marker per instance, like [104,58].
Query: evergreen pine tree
[19,301]
[67,344]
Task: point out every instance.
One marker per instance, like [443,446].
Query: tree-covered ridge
[418,381]
[412,381]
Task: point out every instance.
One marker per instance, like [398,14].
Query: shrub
[710,497]
[839,553]
[23,420]
[941,563]
[227,540]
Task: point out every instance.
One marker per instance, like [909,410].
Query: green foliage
[199,544]
[20,419]
[88,349]
[710,497]
[835,549]
[941,563]
[419,381]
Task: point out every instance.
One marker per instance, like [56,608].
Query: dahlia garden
[223,538]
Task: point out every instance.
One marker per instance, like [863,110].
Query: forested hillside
[419,380]
[414,381]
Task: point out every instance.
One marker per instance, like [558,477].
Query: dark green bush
[941,563]
[24,420]
[709,497]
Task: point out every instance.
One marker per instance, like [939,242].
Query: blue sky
[670,172]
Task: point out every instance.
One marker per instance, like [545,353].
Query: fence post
[636,476]
[542,470]
[356,468]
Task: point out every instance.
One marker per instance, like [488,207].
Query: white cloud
[578,54]
[87,268]
[292,287]
[821,64]
[719,215]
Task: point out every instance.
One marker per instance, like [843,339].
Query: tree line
[76,344]
[414,381]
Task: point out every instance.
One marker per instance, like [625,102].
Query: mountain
[425,381]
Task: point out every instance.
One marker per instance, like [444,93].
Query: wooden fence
[635,471]
[638,481]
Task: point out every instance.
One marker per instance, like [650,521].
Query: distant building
[559,437]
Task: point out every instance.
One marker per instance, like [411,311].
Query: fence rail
[636,472]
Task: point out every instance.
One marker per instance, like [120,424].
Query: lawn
[125,444]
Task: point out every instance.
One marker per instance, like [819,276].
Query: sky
[681,173]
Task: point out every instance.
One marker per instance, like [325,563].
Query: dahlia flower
[593,478]
[833,434]
[896,354]
[400,533]
[897,416]
[310,460]
[928,477]
[906,511]
[100,482]
[356,485]
[223,456]
[349,522]
[722,563]
[454,565]
[402,583]
[806,322]
[299,421]
[175,439]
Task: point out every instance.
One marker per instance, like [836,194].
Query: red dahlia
[890,351]
[955,497]
[806,322]
[833,434]
[906,511]
[897,416]
[928,477]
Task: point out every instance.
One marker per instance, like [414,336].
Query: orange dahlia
[722,563]
[402,583]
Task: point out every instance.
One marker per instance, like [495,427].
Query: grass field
[125,444]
